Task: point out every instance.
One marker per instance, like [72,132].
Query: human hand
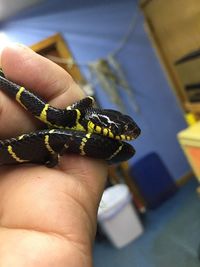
[47,216]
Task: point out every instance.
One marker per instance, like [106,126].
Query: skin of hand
[47,215]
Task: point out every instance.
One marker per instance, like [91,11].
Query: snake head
[112,123]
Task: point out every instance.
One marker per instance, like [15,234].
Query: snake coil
[79,128]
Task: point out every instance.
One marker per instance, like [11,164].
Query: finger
[23,66]
[92,174]
[13,120]
[38,74]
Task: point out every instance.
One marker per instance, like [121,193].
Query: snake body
[80,128]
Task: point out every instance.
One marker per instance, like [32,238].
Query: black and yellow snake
[80,128]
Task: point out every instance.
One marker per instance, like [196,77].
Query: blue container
[153,180]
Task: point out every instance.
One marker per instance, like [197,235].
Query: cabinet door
[56,49]
[174,27]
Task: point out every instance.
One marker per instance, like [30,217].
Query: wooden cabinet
[174,29]
[55,47]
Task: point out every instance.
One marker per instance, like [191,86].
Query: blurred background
[142,58]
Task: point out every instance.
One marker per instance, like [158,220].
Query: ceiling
[10,7]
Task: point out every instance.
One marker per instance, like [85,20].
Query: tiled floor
[171,238]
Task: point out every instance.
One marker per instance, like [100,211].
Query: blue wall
[92,30]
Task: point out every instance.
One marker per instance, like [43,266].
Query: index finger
[45,78]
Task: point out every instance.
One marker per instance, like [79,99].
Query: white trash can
[117,217]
